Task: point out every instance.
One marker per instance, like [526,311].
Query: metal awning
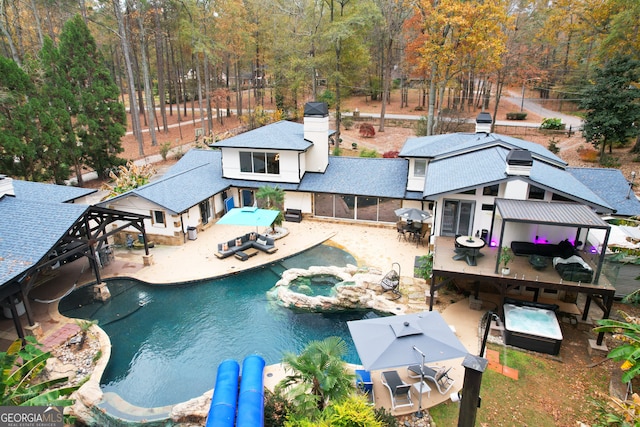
[565,214]
[550,213]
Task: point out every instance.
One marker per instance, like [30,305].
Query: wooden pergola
[85,238]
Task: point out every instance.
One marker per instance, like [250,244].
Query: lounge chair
[439,377]
[365,385]
[399,391]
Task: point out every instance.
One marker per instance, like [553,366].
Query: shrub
[164,150]
[587,154]
[553,146]
[337,151]
[367,130]
[347,122]
[516,116]
[390,154]
[609,161]
[552,124]
[419,108]
[421,126]
[276,408]
[372,153]
[354,145]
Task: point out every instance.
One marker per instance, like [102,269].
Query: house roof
[282,135]
[610,185]
[196,177]
[551,213]
[27,234]
[455,144]
[27,190]
[487,166]
[359,176]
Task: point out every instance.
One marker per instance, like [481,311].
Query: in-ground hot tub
[532,328]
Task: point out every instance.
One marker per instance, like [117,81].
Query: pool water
[320,284]
[167,341]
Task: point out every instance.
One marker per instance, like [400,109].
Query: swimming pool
[167,341]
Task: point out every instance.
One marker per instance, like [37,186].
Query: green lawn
[548,392]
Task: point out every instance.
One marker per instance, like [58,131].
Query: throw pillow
[252,236]
[238,242]
[261,242]
[225,246]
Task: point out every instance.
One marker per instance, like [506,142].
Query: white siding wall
[288,166]
[295,200]
[137,205]
[415,183]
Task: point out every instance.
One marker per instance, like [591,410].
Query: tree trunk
[386,82]
[160,68]
[133,107]
[147,79]
[432,101]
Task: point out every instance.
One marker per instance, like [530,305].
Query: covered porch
[522,278]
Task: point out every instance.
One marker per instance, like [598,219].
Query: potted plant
[505,258]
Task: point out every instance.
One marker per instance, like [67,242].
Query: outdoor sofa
[563,249]
[249,240]
[566,260]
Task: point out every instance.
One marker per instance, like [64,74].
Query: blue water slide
[222,412]
[251,400]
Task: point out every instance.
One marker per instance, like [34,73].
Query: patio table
[469,249]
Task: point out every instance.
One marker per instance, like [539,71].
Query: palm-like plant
[628,332]
[19,382]
[319,375]
[272,198]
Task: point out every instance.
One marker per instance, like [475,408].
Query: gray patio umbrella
[412,214]
[387,342]
[410,339]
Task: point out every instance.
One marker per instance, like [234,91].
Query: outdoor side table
[425,388]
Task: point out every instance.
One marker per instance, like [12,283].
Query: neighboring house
[455,176]
[41,227]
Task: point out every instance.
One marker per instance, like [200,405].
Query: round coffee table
[538,262]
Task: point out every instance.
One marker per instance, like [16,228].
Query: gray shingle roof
[610,185]
[29,229]
[457,143]
[488,166]
[360,176]
[185,185]
[27,190]
[282,135]
[455,174]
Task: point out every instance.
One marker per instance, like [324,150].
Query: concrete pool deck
[373,246]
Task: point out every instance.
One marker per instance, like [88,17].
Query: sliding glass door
[457,217]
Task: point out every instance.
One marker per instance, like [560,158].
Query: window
[560,198]
[490,190]
[157,218]
[260,162]
[536,193]
[419,167]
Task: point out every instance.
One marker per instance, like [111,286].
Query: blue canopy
[249,216]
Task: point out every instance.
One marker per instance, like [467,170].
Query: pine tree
[98,117]
[612,103]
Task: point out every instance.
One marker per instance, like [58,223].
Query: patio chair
[399,391]
[439,376]
[365,385]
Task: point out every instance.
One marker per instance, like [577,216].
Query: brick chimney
[6,186]
[483,122]
[316,131]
